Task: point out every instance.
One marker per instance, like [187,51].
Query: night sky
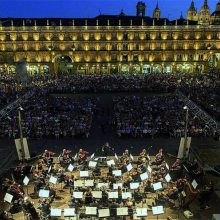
[91,8]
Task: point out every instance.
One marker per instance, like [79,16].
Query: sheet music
[116,157]
[157,186]
[8,197]
[78,195]
[91,211]
[92,164]
[55,212]
[49,169]
[44,193]
[84,173]
[78,183]
[26,181]
[141,212]
[183,193]
[104,213]
[157,210]
[129,167]
[116,185]
[117,172]
[102,184]
[113,195]
[194,184]
[53,180]
[110,162]
[149,169]
[144,176]
[89,182]
[69,212]
[70,168]
[126,195]
[131,156]
[122,211]
[134,185]
[168,177]
[97,194]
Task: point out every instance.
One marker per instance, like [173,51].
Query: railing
[15,104]
[200,113]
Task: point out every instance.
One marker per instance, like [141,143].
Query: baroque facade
[110,44]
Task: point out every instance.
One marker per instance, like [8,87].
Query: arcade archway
[63,64]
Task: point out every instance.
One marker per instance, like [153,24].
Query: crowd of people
[153,114]
[139,116]
[51,116]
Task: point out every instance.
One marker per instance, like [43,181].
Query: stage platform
[63,196]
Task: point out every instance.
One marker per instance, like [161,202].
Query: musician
[64,157]
[138,196]
[105,149]
[113,208]
[47,156]
[88,196]
[176,165]
[82,155]
[205,195]
[44,206]
[159,158]
[28,209]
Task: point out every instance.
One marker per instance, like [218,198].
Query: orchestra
[171,194]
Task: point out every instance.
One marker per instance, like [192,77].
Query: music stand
[157,210]
[117,172]
[89,183]
[141,212]
[8,197]
[149,169]
[92,164]
[110,162]
[102,213]
[25,182]
[69,212]
[144,176]
[49,169]
[122,211]
[102,184]
[70,168]
[44,193]
[84,173]
[117,185]
[126,195]
[129,167]
[55,212]
[194,184]
[79,183]
[168,177]
[91,211]
[157,186]
[78,195]
[53,180]
[97,194]
[113,195]
[134,185]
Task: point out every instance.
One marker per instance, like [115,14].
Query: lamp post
[185,131]
[21,134]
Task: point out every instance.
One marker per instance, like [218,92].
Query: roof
[103,20]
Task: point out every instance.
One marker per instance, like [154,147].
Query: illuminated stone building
[113,43]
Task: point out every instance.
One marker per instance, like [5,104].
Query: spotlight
[185,108]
